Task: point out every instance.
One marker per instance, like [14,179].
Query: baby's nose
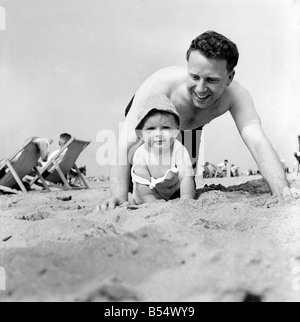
[158,132]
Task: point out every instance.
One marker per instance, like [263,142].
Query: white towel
[44,147]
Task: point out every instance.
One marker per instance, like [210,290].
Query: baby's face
[160,131]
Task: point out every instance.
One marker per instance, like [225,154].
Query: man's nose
[201,86]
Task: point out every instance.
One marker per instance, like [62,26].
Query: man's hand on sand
[113,203]
[291,192]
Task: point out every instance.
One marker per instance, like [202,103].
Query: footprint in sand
[113,291]
[209,224]
[39,215]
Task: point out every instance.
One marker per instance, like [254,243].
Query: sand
[234,243]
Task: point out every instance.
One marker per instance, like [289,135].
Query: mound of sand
[234,243]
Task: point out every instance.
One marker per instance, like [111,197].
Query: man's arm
[249,126]
[127,145]
[266,158]
[120,172]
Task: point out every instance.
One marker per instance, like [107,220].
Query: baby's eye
[166,128]
[151,129]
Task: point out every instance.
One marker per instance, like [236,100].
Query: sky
[73,65]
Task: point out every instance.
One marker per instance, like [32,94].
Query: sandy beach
[234,243]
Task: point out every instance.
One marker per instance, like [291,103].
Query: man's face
[61,142]
[160,131]
[207,79]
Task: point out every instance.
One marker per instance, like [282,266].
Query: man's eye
[210,80]
[195,77]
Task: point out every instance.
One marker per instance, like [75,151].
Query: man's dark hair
[214,45]
[65,136]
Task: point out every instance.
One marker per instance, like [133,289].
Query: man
[234,171]
[222,169]
[200,93]
[209,170]
[63,140]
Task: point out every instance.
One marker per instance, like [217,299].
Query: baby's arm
[186,174]
[140,169]
[187,188]
[146,194]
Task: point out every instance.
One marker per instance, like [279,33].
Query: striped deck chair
[70,151]
[20,164]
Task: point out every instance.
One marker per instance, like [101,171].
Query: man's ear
[230,77]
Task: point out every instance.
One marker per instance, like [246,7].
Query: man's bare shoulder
[177,71]
[238,92]
[235,96]
[167,77]
[242,106]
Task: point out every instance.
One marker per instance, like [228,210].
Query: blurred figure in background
[234,171]
[209,170]
[221,170]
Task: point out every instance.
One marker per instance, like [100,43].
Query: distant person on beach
[223,165]
[43,146]
[222,169]
[234,171]
[162,168]
[63,140]
[209,170]
[200,92]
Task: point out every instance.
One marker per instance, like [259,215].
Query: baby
[162,168]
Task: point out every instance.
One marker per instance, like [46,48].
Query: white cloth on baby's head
[44,147]
[158,102]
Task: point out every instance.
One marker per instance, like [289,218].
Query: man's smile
[202,97]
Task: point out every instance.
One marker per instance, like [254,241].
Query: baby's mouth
[159,141]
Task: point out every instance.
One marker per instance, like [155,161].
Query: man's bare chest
[193,118]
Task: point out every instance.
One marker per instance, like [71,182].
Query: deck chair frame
[53,163]
[13,171]
[298,158]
